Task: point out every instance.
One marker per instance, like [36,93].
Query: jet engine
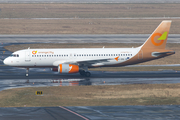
[68,68]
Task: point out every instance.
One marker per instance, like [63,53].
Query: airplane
[78,60]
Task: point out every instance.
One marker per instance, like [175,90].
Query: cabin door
[27,56]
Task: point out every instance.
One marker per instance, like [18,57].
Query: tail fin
[158,39]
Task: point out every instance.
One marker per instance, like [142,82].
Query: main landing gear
[85,73]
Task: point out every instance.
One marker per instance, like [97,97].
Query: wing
[86,62]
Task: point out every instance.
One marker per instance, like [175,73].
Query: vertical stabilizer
[158,38]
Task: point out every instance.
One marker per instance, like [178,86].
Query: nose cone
[5,61]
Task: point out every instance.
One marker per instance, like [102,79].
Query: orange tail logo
[161,37]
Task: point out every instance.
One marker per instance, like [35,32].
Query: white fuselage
[54,57]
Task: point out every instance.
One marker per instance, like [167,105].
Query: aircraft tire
[87,74]
[82,73]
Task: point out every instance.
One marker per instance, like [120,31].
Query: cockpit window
[14,55]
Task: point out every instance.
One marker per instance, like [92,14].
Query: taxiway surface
[89,1]
[168,112]
[74,38]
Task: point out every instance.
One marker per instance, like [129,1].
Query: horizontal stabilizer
[156,54]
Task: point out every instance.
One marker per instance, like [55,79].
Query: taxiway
[73,38]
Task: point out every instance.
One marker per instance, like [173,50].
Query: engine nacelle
[68,68]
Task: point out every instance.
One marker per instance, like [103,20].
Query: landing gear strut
[85,73]
[27,72]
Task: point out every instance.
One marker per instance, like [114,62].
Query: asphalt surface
[73,38]
[11,77]
[168,112]
[89,1]
[39,113]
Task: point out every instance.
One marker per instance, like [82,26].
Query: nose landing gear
[27,72]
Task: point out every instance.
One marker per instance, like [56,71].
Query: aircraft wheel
[87,74]
[82,73]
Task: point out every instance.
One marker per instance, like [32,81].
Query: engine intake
[68,68]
